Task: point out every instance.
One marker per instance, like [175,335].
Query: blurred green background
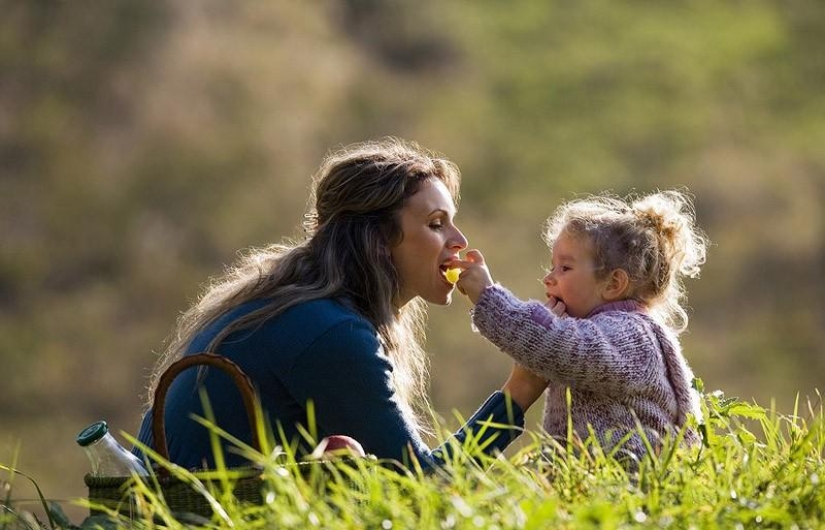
[143,144]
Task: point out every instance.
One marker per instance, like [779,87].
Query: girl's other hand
[475,276]
[556,306]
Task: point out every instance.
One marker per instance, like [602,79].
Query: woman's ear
[617,285]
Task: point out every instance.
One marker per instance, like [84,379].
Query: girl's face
[429,241]
[572,278]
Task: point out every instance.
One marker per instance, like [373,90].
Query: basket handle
[241,380]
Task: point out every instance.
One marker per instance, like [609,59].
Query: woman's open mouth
[450,274]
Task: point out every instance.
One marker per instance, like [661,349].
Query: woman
[337,319]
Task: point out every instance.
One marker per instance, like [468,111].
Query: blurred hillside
[143,144]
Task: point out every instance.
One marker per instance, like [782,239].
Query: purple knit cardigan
[618,362]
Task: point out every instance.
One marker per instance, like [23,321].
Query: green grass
[756,469]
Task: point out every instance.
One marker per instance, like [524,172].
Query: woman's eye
[436,225]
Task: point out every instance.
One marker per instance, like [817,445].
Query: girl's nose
[548,278]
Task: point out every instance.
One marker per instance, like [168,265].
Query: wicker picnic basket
[180,496]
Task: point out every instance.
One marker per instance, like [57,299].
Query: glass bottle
[107,456]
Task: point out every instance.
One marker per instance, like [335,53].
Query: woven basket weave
[180,497]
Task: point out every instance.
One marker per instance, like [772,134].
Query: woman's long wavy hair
[351,225]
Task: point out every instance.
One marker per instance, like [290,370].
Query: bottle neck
[108,457]
[107,440]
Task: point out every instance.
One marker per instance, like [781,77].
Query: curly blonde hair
[653,238]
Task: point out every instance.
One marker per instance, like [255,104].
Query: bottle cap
[92,433]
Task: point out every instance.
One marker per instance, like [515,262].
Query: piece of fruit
[338,445]
[452,275]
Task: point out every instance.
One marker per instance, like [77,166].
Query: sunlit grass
[756,469]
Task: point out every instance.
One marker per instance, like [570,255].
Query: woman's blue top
[319,351]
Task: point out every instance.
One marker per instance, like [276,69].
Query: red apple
[338,445]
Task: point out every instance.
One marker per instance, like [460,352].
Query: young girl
[608,330]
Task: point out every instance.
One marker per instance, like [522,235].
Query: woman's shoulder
[300,323]
[324,313]
[320,310]
[306,327]
[328,329]
[326,319]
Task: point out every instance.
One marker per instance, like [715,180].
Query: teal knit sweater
[319,351]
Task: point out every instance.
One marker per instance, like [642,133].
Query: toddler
[609,328]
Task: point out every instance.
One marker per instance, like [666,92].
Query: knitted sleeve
[609,352]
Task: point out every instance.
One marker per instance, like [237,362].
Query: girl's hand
[523,386]
[475,276]
[556,306]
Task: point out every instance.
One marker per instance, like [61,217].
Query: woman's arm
[349,380]
[523,386]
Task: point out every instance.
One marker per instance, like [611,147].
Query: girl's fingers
[556,306]
[474,256]
[560,309]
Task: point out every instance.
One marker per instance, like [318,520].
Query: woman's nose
[457,241]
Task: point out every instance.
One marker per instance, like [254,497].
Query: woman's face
[429,241]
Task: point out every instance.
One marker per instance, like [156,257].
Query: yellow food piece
[452,275]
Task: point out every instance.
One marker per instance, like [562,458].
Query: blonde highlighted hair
[351,225]
[653,238]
